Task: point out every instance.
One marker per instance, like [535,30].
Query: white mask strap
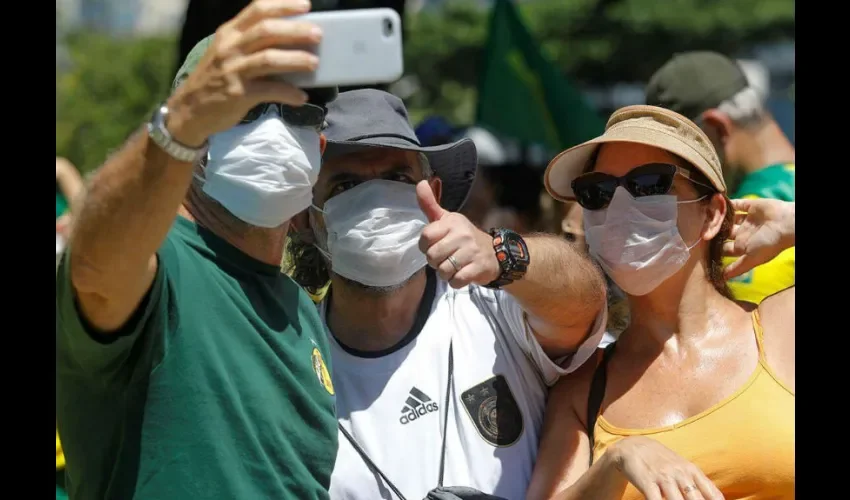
[196,172]
[316,244]
[690,247]
[322,251]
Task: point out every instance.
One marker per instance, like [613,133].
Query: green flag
[523,96]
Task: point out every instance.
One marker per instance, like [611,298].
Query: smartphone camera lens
[388,27]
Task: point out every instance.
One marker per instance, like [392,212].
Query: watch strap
[512,254]
[161,137]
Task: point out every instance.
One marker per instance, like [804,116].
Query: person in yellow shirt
[776,182]
[714,92]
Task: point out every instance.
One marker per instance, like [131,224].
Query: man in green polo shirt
[188,365]
[713,91]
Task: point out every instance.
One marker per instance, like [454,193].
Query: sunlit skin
[684,328]
[686,349]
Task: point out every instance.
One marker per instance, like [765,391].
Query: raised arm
[133,199]
[131,203]
[562,292]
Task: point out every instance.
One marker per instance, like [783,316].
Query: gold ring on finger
[688,489]
[453,262]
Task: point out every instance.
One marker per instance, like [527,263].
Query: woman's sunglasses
[595,190]
[308,115]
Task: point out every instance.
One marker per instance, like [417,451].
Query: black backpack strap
[597,394]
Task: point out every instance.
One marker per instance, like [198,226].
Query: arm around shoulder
[562,470]
[562,295]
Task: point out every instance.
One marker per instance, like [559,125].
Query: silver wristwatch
[160,136]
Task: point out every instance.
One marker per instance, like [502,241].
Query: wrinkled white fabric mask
[637,241]
[373,233]
[263,172]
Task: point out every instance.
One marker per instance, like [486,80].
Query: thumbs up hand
[460,252]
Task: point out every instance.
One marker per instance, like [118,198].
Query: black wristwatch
[512,253]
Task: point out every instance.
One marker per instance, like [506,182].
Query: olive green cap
[693,82]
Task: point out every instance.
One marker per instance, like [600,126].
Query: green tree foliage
[596,42]
[111,86]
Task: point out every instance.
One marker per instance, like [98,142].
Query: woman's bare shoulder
[573,389]
[777,312]
[777,315]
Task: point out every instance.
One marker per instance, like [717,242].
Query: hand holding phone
[240,68]
[358,47]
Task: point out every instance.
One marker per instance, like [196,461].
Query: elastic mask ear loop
[203,166]
[321,250]
[691,247]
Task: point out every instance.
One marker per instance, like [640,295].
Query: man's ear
[437,187]
[719,125]
[300,222]
[323,143]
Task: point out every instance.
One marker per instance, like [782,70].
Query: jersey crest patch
[494,411]
[321,370]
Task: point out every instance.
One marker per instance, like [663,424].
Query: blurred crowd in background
[565,63]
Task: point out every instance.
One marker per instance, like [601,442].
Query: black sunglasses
[595,190]
[307,115]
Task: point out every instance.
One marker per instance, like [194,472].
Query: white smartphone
[358,47]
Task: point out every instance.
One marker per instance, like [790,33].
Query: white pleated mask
[637,240]
[263,172]
[373,232]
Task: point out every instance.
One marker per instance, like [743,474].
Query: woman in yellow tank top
[697,400]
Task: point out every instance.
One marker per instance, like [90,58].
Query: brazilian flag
[522,95]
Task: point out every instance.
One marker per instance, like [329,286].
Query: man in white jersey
[420,304]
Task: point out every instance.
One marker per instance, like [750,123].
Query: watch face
[516,247]
[512,255]
[518,250]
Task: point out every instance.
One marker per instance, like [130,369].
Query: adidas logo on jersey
[417,405]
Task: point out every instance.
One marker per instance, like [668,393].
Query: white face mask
[373,233]
[637,241]
[263,172]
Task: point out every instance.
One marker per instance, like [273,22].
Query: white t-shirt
[394,405]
